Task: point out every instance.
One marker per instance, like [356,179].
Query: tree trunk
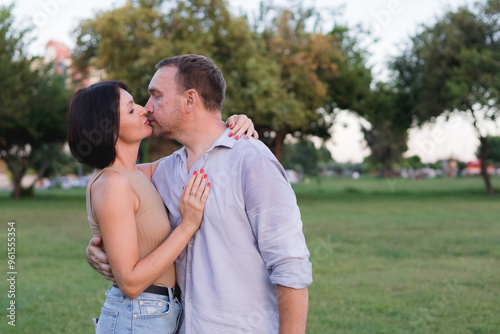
[17,167]
[278,144]
[41,172]
[16,191]
[484,165]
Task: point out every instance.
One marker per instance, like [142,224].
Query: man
[246,270]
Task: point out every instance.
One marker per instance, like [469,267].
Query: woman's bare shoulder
[110,184]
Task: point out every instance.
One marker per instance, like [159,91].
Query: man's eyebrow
[152,90]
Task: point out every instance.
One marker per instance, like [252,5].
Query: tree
[414,162]
[276,70]
[493,151]
[120,42]
[453,65]
[190,26]
[33,101]
[304,155]
[350,87]
[322,72]
[387,134]
[305,58]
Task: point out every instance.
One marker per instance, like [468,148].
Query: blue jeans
[148,313]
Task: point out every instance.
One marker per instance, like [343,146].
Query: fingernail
[237,137]
[208,184]
[205,176]
[183,187]
[231,126]
[248,137]
[230,135]
[201,171]
[195,172]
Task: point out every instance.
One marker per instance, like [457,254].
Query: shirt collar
[223,140]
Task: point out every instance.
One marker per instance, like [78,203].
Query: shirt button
[191,241]
[135,317]
[189,270]
[189,299]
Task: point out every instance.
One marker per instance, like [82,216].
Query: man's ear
[191,99]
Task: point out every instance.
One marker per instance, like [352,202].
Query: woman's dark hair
[94,122]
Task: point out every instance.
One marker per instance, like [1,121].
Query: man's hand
[98,260]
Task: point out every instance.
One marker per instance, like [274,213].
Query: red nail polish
[205,176]
[201,171]
[248,137]
[195,172]
[230,135]
[183,187]
[237,137]
[208,184]
[231,126]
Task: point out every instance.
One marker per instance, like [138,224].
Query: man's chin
[161,133]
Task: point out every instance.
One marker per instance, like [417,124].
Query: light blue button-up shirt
[250,238]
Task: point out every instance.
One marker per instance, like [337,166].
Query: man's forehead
[158,76]
[162,76]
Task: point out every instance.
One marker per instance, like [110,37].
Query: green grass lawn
[396,256]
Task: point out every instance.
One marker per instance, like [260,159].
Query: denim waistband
[154,290]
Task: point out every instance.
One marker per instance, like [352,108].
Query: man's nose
[149,106]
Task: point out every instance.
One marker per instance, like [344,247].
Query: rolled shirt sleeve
[274,215]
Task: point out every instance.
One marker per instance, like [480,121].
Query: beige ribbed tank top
[153,225]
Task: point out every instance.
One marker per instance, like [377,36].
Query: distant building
[474,168]
[60,54]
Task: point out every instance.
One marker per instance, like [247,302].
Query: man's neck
[201,137]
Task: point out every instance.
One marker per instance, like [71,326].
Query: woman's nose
[143,111]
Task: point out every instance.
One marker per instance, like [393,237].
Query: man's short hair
[199,73]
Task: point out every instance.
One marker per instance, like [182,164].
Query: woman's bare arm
[149,168]
[116,217]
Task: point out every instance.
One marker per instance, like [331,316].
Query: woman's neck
[126,156]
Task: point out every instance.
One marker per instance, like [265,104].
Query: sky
[391,22]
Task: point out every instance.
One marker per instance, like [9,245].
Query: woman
[105,129]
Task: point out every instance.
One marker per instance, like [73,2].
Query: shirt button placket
[188,305]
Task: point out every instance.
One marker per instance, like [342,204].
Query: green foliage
[387,134]
[50,160]
[349,88]
[453,65]
[493,151]
[412,162]
[278,73]
[303,156]
[33,101]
